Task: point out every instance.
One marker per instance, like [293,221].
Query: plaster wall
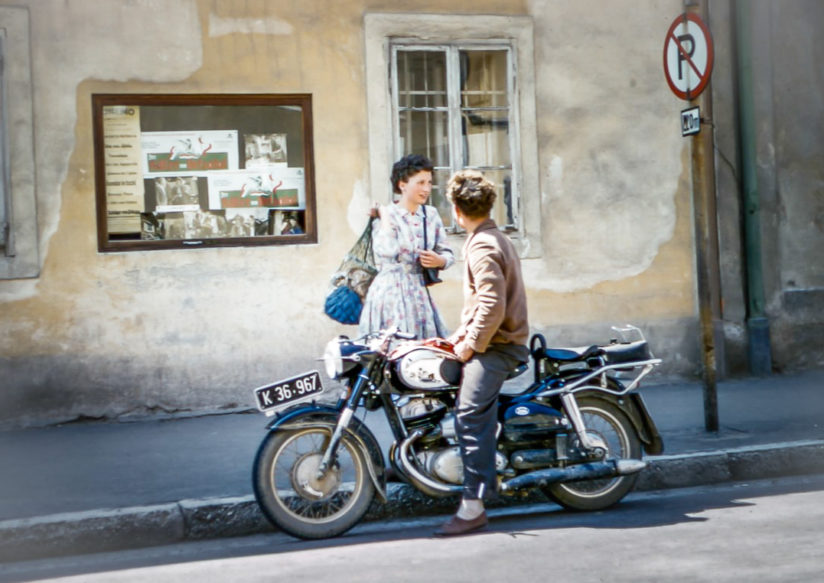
[787,89]
[114,334]
[798,97]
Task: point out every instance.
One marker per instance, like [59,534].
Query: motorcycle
[576,432]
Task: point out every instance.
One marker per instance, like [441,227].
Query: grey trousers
[477,417]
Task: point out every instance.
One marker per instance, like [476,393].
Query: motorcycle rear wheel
[605,421]
[295,500]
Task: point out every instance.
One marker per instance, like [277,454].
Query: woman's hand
[375,211]
[431,259]
[379,211]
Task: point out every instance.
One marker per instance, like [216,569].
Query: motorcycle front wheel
[296,499]
[608,423]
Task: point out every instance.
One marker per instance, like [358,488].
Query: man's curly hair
[471,192]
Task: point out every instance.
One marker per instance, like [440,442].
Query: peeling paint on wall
[75,41]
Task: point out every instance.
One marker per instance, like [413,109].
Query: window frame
[303,101]
[382,31]
[19,253]
[454,108]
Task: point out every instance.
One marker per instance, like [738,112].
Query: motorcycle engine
[447,465]
[433,416]
[422,413]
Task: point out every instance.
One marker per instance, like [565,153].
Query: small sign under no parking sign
[690,121]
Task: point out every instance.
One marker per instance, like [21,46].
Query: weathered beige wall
[109,334]
[615,181]
[787,88]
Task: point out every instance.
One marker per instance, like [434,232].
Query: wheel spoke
[311,445]
[611,434]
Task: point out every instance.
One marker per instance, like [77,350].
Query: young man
[491,341]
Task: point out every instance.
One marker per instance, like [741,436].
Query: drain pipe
[758,330]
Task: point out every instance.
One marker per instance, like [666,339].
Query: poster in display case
[181,171]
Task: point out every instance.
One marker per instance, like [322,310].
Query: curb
[142,526]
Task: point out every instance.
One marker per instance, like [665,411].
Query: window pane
[421,79]
[483,79]
[486,140]
[426,133]
[438,198]
[504,211]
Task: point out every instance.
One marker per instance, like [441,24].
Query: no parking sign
[688,56]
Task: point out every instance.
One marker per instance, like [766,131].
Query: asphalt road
[764,531]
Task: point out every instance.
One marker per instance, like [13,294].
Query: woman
[398,296]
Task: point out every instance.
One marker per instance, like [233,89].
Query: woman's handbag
[430,274]
[351,281]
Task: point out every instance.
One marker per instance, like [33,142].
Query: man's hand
[463,351]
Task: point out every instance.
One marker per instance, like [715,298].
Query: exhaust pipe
[423,483]
[605,469]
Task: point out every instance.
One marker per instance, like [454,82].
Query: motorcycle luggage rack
[580,382]
[581,365]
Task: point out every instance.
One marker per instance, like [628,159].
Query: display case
[189,171]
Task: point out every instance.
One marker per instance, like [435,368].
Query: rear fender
[632,404]
[312,414]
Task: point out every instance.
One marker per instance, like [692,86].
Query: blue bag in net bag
[343,304]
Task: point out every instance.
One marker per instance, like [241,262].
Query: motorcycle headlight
[332,359]
[341,356]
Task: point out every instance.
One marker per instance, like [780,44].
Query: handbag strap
[425,244]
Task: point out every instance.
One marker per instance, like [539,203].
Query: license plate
[288,391]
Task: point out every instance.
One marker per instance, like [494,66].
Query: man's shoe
[457,526]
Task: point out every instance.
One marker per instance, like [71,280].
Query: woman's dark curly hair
[471,192]
[408,166]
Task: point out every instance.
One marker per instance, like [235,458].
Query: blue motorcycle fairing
[632,404]
[529,408]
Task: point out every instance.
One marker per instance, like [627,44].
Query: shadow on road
[638,511]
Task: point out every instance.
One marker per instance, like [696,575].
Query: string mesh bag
[351,281]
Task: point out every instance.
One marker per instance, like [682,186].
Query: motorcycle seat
[627,352]
[540,351]
[568,354]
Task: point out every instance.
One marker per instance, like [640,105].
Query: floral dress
[398,296]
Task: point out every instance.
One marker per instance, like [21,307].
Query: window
[4,211]
[453,105]
[462,93]
[183,171]
[18,209]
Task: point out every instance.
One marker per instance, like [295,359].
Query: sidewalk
[101,486]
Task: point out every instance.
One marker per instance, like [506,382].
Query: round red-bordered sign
[688,56]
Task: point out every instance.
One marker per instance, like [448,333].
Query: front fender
[302,410]
[361,435]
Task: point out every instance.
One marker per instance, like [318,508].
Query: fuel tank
[424,368]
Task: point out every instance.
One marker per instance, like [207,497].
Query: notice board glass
[191,171]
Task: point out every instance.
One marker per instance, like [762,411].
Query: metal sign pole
[706,235]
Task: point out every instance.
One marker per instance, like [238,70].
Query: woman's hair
[407,167]
[471,192]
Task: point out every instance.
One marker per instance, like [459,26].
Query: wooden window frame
[458,153]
